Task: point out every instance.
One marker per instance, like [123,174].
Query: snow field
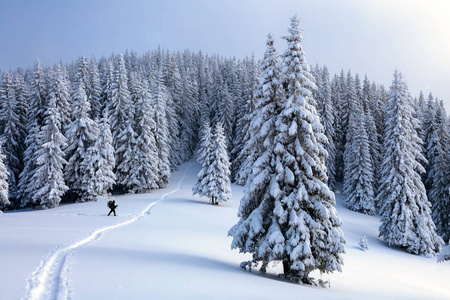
[181,251]
[49,281]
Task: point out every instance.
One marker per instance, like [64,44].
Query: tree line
[77,131]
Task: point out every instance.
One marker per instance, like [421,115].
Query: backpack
[110,204]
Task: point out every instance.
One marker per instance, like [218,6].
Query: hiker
[112,205]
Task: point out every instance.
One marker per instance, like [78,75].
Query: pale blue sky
[368,37]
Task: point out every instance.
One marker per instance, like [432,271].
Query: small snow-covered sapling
[363,244]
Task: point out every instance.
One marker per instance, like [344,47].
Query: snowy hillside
[170,245]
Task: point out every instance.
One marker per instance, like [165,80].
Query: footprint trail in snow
[50,280]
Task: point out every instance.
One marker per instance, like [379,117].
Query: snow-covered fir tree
[358,180]
[81,134]
[146,156]
[372,130]
[436,150]
[82,75]
[26,183]
[37,103]
[120,110]
[173,127]
[439,194]
[374,147]
[127,151]
[326,113]
[358,168]
[4,174]
[172,81]
[218,178]
[296,222]
[342,114]
[189,112]
[214,178]
[204,158]
[59,89]
[131,61]
[359,92]
[48,179]
[161,132]
[404,208]
[10,135]
[99,163]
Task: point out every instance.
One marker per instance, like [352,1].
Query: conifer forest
[289,132]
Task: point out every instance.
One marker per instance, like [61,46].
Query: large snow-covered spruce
[358,180]
[98,164]
[37,103]
[120,110]
[358,170]
[293,219]
[343,98]
[48,178]
[326,113]
[81,135]
[10,132]
[439,195]
[374,147]
[189,109]
[434,147]
[172,82]
[404,208]
[145,170]
[127,142]
[161,132]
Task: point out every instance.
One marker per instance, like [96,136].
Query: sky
[372,38]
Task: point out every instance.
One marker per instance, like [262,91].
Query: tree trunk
[286,267]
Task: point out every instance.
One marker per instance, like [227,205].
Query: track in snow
[50,280]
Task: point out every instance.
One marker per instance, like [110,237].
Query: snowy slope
[170,245]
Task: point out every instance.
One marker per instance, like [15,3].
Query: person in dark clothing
[112,205]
